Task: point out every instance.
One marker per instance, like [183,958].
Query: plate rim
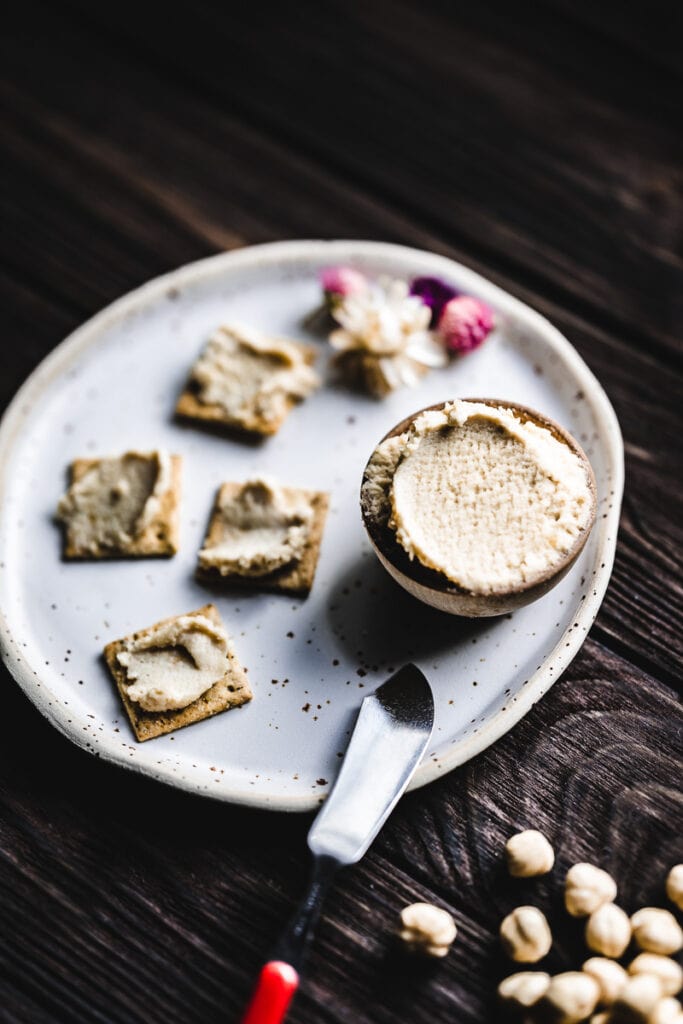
[339,250]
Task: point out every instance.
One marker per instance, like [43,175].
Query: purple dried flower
[434,292]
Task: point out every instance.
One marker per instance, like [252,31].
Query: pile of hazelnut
[603,991]
[642,993]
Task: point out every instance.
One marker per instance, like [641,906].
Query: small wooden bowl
[432,587]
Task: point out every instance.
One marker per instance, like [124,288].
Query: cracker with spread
[179,671]
[264,537]
[247,381]
[122,507]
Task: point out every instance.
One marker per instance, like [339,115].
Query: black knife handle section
[296,938]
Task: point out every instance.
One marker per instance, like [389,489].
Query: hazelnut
[586,888]
[524,989]
[637,1000]
[608,930]
[656,931]
[668,971]
[525,935]
[667,1011]
[427,929]
[674,885]
[571,997]
[529,853]
[610,976]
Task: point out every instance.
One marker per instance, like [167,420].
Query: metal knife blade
[391,734]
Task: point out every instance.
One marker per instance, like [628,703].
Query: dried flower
[464,323]
[434,292]
[339,282]
[383,339]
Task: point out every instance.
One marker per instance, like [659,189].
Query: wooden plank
[127,932]
[540,148]
[539,163]
[652,33]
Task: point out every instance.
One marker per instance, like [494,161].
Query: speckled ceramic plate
[113,385]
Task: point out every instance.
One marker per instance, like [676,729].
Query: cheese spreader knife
[390,736]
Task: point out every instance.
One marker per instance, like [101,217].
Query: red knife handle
[275,988]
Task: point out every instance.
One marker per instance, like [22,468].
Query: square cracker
[160,538]
[190,407]
[294,579]
[229,692]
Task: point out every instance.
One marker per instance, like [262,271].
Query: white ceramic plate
[112,385]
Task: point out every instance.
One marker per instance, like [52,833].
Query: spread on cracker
[264,536]
[176,672]
[122,506]
[248,381]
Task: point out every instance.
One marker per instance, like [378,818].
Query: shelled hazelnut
[526,935]
[570,998]
[529,854]
[427,929]
[674,885]
[608,930]
[656,931]
[637,1000]
[667,970]
[667,1011]
[586,888]
[610,976]
[524,989]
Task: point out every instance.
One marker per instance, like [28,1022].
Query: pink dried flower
[464,323]
[338,282]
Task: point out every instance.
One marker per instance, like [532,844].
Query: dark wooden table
[537,143]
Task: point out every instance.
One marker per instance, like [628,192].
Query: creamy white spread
[115,500]
[249,375]
[173,664]
[476,494]
[261,529]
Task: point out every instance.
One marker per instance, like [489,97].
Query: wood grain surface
[539,143]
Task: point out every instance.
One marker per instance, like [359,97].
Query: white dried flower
[528,854]
[586,888]
[526,935]
[384,336]
[427,929]
[657,931]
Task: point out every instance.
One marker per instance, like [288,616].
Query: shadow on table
[43,768]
